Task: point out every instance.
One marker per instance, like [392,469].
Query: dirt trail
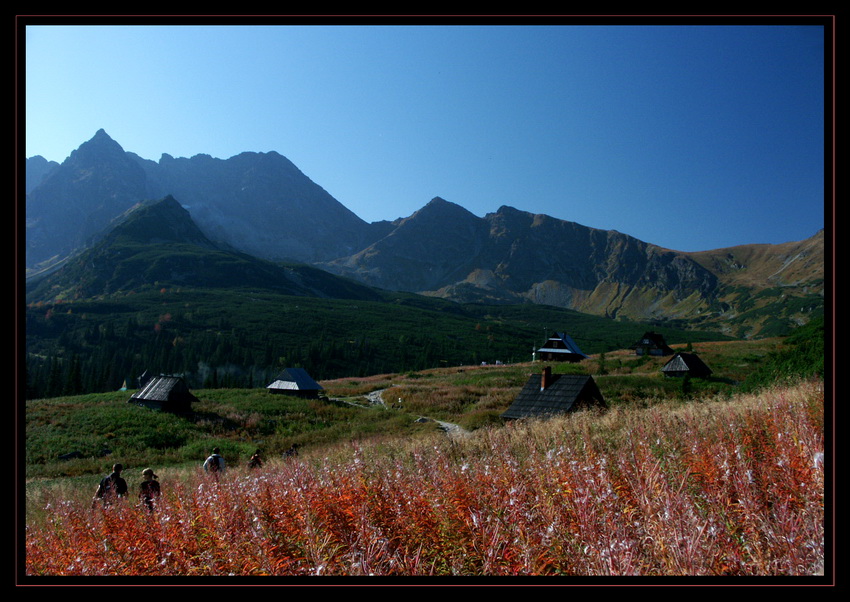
[451,429]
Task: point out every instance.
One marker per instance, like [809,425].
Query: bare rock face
[515,256]
[261,204]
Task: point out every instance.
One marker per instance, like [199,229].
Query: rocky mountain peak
[439,208]
[77,200]
[37,169]
[98,147]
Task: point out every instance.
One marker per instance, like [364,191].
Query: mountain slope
[515,256]
[437,244]
[38,168]
[767,288]
[763,265]
[261,204]
[78,198]
[157,244]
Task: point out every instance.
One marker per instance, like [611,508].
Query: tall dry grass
[732,487]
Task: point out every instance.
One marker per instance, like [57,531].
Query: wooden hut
[683,364]
[165,393]
[651,343]
[549,394]
[560,348]
[295,381]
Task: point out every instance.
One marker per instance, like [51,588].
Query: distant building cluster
[547,394]
[544,394]
[172,394]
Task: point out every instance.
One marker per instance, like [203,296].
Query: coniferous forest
[243,338]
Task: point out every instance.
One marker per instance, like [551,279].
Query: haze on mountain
[261,204]
[156,243]
[257,202]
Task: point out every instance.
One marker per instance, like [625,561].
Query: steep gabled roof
[686,362]
[165,392]
[652,339]
[295,379]
[563,394]
[164,388]
[561,342]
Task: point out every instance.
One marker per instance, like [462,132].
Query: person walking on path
[255,461]
[111,487]
[215,463]
[149,490]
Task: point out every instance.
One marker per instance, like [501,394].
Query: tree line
[70,355]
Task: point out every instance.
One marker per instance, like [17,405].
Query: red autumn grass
[710,488]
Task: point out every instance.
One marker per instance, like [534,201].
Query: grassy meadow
[697,477]
[730,487]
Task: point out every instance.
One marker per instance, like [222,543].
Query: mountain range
[259,209]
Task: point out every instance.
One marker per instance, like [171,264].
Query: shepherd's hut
[683,364]
[560,348]
[651,343]
[295,381]
[166,393]
[549,394]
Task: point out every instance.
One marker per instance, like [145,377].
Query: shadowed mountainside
[262,205]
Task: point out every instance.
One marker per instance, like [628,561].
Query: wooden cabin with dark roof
[296,382]
[652,343]
[165,393]
[548,394]
[686,364]
[560,348]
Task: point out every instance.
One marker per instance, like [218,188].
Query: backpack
[215,465]
[112,485]
[105,486]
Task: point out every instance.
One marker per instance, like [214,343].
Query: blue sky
[691,137]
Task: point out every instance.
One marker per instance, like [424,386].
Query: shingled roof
[686,363]
[548,394]
[652,343]
[168,393]
[295,381]
[561,346]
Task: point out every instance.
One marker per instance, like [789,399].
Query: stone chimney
[546,378]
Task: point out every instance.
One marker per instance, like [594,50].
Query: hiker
[255,461]
[215,463]
[149,488]
[111,487]
[292,451]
